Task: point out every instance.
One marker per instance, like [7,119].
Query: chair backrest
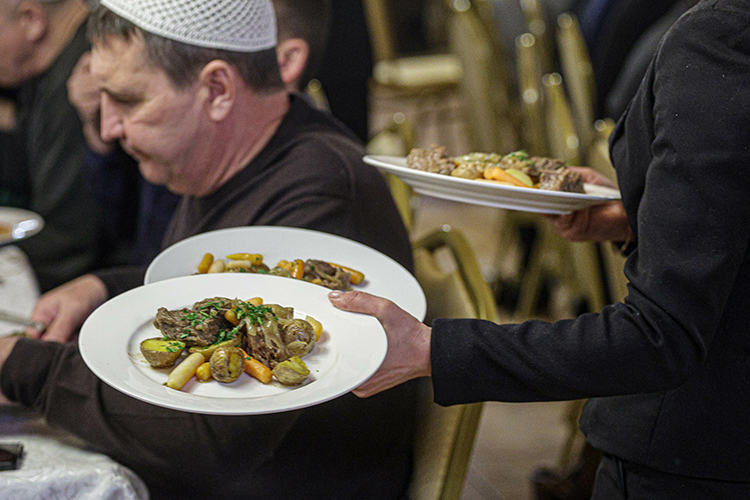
[531,95]
[317,95]
[485,86]
[536,24]
[445,435]
[562,136]
[397,138]
[597,154]
[578,73]
[382,34]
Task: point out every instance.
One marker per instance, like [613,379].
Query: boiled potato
[227,364]
[293,371]
[160,352]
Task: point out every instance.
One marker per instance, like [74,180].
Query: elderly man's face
[159,125]
[14,47]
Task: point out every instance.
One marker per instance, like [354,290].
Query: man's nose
[111,121]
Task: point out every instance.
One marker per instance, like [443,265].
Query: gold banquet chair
[445,435]
[536,24]
[562,136]
[576,68]
[427,80]
[397,138]
[529,70]
[489,110]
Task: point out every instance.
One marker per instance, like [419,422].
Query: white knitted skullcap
[236,25]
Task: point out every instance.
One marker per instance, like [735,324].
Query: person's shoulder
[707,16]
[711,31]
[319,137]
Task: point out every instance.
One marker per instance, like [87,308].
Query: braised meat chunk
[327,275]
[199,326]
[433,159]
[561,180]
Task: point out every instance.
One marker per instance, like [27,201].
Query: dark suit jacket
[670,367]
[623,25]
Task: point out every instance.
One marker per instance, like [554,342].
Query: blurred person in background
[212,119]
[346,67]
[42,147]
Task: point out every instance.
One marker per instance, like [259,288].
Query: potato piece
[217,266]
[227,364]
[520,176]
[499,174]
[317,326]
[203,373]
[239,264]
[160,352]
[293,371]
[184,371]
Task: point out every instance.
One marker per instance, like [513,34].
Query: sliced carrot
[498,174]
[256,369]
[206,262]
[298,269]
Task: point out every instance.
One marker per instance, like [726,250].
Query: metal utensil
[15,318]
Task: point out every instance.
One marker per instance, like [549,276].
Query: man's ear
[293,55]
[34,20]
[218,81]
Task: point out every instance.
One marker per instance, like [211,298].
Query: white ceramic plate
[20,223]
[383,276]
[350,350]
[491,194]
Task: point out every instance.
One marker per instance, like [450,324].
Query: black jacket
[670,367]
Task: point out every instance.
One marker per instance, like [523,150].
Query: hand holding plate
[408,354]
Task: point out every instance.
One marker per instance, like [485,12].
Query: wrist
[6,347]
[424,350]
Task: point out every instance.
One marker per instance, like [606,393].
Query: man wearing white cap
[192,90]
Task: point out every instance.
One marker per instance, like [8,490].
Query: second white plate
[383,276]
[491,194]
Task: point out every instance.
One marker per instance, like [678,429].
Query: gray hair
[182,62]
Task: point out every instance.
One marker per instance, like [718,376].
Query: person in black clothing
[219,127]
[667,368]
[42,148]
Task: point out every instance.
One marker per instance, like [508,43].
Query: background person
[667,369]
[42,146]
[218,126]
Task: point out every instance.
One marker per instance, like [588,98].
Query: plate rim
[424,182]
[192,403]
[23,215]
[420,307]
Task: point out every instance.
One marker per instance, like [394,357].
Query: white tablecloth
[18,287]
[58,466]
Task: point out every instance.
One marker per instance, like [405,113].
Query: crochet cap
[236,25]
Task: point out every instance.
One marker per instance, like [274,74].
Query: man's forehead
[118,55]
